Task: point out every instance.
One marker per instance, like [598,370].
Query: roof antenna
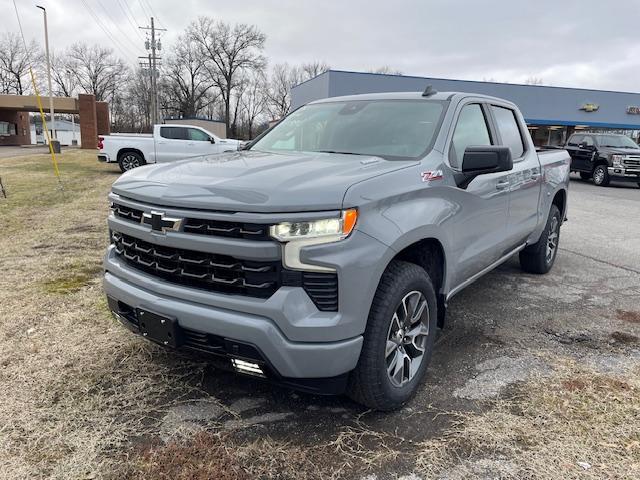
[429,91]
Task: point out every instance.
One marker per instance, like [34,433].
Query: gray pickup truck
[323,256]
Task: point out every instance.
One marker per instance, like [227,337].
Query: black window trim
[488,120]
[525,146]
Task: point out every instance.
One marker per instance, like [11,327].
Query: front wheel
[398,340]
[539,257]
[130,160]
[601,176]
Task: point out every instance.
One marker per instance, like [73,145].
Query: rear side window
[471,131]
[174,133]
[509,130]
[575,140]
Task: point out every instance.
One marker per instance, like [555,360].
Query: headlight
[617,161]
[297,235]
[328,229]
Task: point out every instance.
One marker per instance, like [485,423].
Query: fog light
[248,368]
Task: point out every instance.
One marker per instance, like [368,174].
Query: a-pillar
[88,121]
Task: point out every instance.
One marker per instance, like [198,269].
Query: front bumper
[624,175]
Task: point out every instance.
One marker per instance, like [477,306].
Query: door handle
[501,185]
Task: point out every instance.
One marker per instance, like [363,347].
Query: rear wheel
[130,160]
[539,257]
[585,175]
[398,340]
[601,175]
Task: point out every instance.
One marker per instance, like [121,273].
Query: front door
[584,155]
[481,224]
[201,143]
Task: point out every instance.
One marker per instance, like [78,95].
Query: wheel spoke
[418,310]
[391,347]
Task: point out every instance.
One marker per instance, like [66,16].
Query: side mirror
[212,140]
[483,160]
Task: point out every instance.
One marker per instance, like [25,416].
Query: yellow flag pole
[44,125]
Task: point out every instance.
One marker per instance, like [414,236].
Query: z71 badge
[431,175]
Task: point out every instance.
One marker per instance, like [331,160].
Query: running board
[484,271]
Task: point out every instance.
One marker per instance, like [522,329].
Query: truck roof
[408,95]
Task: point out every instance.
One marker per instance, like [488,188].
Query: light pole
[54,139]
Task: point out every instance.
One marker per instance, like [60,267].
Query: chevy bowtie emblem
[159,223]
[590,107]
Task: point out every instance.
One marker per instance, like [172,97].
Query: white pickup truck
[166,144]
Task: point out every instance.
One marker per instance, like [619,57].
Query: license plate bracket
[159,328]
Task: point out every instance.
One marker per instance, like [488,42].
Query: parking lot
[533,376]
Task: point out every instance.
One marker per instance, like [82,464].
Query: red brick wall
[102,116]
[21,120]
[88,121]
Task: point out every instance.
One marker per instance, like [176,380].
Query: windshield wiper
[340,153]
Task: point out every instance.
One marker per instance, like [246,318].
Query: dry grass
[83,398]
[578,424]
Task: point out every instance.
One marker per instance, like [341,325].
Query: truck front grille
[223,273]
[198,226]
[633,162]
[219,273]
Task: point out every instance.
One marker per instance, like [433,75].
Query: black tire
[370,383]
[601,175]
[535,258]
[130,160]
[585,175]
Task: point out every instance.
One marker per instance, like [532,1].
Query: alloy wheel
[130,161]
[598,175]
[552,238]
[406,338]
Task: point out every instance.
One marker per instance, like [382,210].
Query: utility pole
[154,46]
[54,138]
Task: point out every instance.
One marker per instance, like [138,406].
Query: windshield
[616,141]
[392,129]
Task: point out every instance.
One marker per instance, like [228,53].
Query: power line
[132,18]
[120,46]
[153,14]
[144,10]
[110,18]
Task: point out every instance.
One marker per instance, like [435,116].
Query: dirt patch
[628,316]
[625,338]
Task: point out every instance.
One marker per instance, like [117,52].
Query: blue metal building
[552,113]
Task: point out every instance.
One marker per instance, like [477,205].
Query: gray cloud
[590,44]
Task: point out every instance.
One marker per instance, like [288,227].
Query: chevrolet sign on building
[590,107]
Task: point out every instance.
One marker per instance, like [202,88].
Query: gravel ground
[533,377]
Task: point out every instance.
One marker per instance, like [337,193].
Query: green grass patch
[72,280]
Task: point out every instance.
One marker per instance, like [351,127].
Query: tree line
[214,70]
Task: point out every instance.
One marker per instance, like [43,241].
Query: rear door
[525,178]
[481,224]
[172,144]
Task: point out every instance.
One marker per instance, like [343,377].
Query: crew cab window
[509,131]
[471,131]
[198,135]
[575,140]
[174,133]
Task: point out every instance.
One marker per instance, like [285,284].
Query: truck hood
[251,181]
[619,151]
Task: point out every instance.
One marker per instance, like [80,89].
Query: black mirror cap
[212,140]
[486,159]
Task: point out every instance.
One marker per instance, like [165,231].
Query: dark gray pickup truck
[323,256]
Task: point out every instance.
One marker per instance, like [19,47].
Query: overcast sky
[588,43]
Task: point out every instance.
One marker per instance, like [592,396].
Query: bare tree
[533,81]
[386,70]
[97,70]
[228,51]
[187,89]
[313,69]
[63,77]
[15,61]
[253,101]
[283,78]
